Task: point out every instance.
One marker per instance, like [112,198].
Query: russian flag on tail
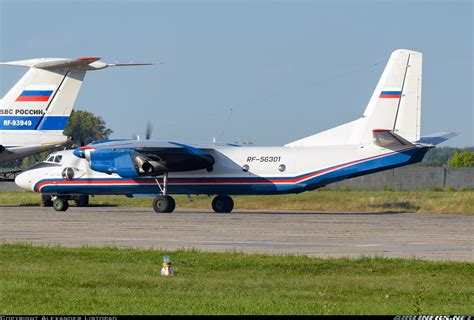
[390,94]
[35,95]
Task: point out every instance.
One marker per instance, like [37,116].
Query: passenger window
[50,159]
[58,159]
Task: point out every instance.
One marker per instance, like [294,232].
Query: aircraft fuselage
[244,170]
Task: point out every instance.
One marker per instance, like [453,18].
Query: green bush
[461,160]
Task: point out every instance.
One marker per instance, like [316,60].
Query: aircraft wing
[132,158]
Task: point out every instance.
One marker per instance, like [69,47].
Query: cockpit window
[53,158]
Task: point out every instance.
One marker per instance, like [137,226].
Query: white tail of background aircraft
[34,113]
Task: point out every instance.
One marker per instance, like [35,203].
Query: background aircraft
[34,113]
[385,137]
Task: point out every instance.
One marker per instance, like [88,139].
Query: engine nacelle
[114,161]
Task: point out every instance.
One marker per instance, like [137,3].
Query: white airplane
[386,136]
[34,113]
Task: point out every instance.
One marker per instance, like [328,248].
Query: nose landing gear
[60,204]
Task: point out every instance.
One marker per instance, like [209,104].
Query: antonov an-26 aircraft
[34,113]
[386,136]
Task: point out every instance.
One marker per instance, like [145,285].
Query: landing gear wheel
[222,204]
[60,205]
[82,201]
[164,204]
[46,200]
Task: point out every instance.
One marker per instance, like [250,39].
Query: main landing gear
[166,203]
[222,204]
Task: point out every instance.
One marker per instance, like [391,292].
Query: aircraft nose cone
[23,180]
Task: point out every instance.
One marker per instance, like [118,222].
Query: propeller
[149,129]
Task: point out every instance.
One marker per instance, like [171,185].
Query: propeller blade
[149,129]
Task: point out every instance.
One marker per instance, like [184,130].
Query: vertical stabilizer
[408,119]
[36,110]
[44,97]
[396,102]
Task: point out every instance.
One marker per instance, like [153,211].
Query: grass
[56,280]
[451,202]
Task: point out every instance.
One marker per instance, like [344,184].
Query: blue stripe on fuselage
[31,122]
[53,123]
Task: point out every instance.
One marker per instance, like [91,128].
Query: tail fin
[394,106]
[44,97]
[396,102]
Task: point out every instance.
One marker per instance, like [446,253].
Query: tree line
[449,157]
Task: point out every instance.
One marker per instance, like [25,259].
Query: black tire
[46,200]
[164,204]
[222,204]
[60,205]
[82,201]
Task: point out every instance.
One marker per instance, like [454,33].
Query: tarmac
[395,235]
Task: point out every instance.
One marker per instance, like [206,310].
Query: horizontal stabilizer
[437,138]
[85,63]
[388,139]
